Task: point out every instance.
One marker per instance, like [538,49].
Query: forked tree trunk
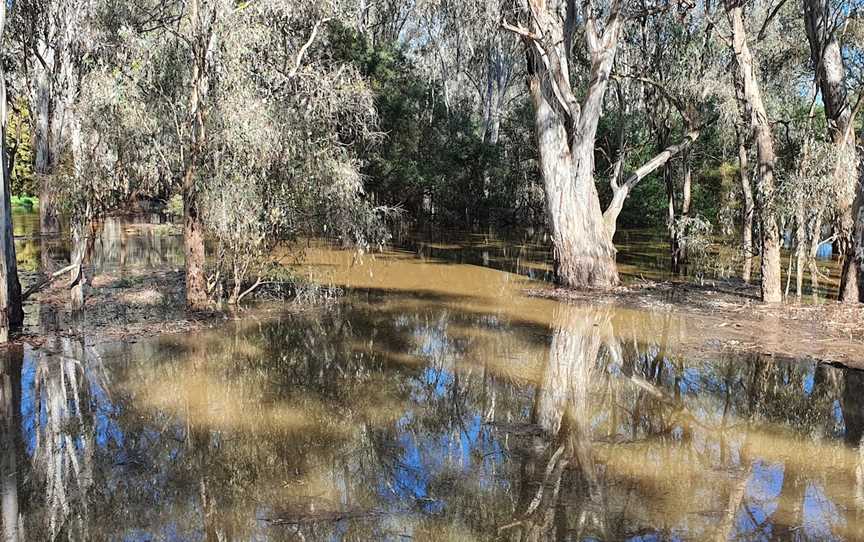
[582,246]
[583,251]
[771,286]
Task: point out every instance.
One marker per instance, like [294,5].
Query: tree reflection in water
[382,417]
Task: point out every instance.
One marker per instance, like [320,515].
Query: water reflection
[435,401]
[381,418]
[144,241]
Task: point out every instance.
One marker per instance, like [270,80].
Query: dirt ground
[128,307]
[725,316]
[729,316]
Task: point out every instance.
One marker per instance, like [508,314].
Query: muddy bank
[728,316]
[124,307]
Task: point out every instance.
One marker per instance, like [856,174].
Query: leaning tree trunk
[771,286]
[826,55]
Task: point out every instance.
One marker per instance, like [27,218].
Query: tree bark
[583,251]
[193,244]
[674,249]
[11,312]
[193,229]
[44,161]
[566,131]
[747,227]
[771,286]
[827,58]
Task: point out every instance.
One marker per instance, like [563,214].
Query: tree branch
[298,60]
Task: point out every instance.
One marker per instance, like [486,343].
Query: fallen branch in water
[39,286]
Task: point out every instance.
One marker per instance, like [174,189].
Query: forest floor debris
[729,316]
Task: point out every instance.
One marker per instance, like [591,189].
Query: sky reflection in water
[435,401]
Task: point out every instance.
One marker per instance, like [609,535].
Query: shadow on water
[362,422]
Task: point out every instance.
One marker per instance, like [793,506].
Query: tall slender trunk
[193,229]
[11,313]
[674,248]
[43,164]
[772,291]
[83,242]
[747,227]
[800,246]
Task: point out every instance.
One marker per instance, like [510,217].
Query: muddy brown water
[432,401]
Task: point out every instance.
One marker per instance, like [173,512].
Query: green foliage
[18,141]
[433,161]
[25,203]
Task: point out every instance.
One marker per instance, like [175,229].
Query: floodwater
[434,400]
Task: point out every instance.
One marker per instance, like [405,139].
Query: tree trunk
[800,246]
[747,229]
[193,229]
[583,251]
[11,313]
[582,248]
[771,286]
[43,164]
[193,243]
[826,55]
[78,275]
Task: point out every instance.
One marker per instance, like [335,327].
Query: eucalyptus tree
[53,39]
[766,158]
[566,129]
[11,313]
[826,24]
[243,114]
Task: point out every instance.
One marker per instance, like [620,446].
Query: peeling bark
[770,284]
[566,131]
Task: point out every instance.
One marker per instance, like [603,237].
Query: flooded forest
[435,270]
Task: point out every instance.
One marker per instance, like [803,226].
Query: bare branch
[298,60]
